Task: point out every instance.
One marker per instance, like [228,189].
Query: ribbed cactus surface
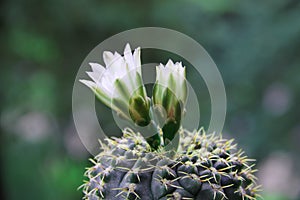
[205,167]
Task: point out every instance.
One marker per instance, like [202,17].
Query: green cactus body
[205,167]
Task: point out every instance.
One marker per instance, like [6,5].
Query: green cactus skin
[205,167]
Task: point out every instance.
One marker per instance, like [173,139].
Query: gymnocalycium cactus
[194,165]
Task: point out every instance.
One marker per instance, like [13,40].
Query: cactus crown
[206,166]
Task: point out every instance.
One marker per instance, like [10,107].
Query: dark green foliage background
[255,44]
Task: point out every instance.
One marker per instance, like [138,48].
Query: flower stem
[154,141]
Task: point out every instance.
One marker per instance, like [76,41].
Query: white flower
[116,68]
[169,98]
[173,77]
[119,81]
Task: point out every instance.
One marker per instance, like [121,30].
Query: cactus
[205,167]
[199,166]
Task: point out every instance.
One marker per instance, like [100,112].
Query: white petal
[95,76]
[90,84]
[107,57]
[107,83]
[137,59]
[117,68]
[97,68]
[157,72]
[170,64]
[128,57]
[127,48]
[117,56]
[164,74]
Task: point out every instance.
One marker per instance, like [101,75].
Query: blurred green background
[255,44]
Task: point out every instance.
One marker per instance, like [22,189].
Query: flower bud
[169,97]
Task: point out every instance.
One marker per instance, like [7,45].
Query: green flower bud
[169,97]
